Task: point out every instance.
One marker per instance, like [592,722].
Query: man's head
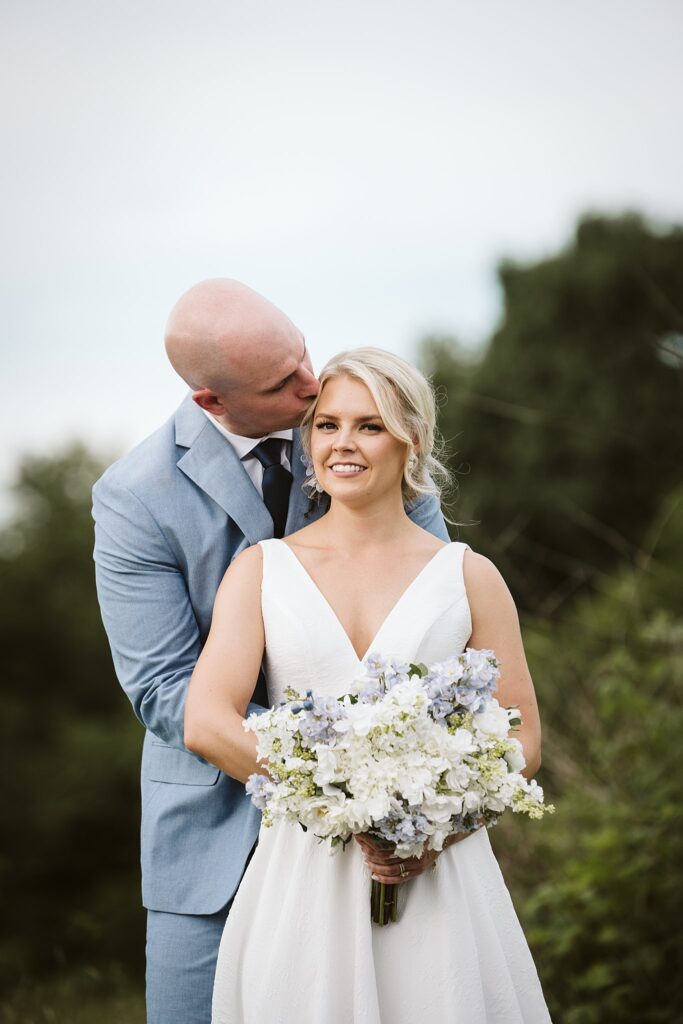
[245,361]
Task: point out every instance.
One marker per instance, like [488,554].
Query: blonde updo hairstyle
[406,403]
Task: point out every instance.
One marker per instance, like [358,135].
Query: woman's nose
[344,439]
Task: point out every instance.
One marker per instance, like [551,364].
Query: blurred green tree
[69,831]
[598,884]
[572,421]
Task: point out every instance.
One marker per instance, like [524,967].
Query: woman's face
[354,455]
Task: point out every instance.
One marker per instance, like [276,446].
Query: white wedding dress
[299,946]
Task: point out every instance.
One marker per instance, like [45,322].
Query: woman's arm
[495,626]
[225,675]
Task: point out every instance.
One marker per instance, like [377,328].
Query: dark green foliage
[86,996]
[572,422]
[70,743]
[598,885]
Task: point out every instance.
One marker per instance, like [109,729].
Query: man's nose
[310,386]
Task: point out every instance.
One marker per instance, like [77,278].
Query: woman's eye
[327,426]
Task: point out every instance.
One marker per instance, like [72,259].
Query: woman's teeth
[347,467]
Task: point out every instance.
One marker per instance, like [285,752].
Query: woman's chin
[354,483]
[348,493]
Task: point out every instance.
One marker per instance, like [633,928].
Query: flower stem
[383,903]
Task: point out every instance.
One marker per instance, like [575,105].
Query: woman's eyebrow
[357,419]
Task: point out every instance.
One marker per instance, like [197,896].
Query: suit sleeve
[147,613]
[426,512]
[146,610]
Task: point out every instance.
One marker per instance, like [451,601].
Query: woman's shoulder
[486,589]
[247,566]
[483,580]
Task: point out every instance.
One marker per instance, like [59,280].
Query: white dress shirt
[245,445]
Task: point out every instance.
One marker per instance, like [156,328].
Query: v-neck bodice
[307,646]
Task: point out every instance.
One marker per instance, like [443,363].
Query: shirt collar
[245,445]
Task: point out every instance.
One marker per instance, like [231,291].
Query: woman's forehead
[346,396]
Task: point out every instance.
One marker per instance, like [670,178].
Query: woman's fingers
[368,843]
[392,870]
[380,858]
[399,869]
[394,877]
[390,864]
[380,852]
[404,871]
[374,853]
[387,867]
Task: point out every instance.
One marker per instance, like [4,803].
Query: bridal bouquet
[410,755]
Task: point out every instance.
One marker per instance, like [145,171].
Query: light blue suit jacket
[169,518]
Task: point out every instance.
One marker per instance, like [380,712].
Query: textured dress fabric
[299,946]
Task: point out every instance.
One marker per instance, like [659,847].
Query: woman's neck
[360,527]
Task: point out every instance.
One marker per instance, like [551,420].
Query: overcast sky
[362,164]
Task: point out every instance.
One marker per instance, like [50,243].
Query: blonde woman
[299,946]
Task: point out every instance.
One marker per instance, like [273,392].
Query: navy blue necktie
[277,482]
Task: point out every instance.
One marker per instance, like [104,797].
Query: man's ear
[208,400]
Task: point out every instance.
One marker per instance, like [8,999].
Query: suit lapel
[212,464]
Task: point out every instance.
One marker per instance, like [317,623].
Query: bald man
[224,472]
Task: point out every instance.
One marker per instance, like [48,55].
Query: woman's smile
[347,468]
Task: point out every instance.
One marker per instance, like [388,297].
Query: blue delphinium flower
[396,672]
[374,665]
[462,683]
[317,717]
[411,828]
[482,668]
[379,676]
[440,708]
[256,788]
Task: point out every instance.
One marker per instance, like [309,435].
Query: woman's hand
[392,870]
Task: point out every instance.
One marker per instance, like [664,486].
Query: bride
[299,946]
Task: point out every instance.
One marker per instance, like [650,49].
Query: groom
[224,472]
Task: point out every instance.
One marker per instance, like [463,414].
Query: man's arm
[426,512]
[146,610]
